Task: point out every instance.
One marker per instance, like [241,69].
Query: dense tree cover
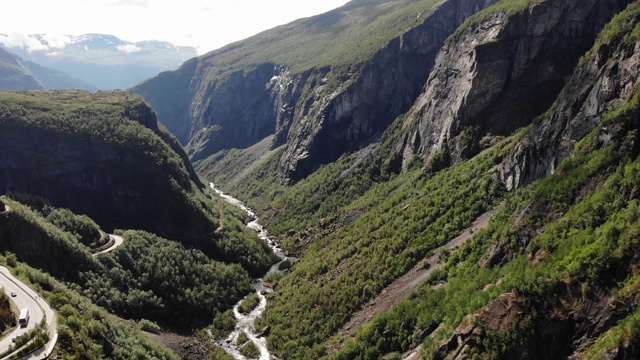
[147,277]
[81,226]
[84,329]
[104,154]
[159,279]
[36,241]
[391,225]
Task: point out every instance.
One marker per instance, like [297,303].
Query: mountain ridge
[103,60]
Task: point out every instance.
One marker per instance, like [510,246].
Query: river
[246,322]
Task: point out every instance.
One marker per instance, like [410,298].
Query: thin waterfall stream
[246,322]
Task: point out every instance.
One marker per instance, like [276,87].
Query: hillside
[530,110]
[84,327]
[453,179]
[134,281]
[15,74]
[104,155]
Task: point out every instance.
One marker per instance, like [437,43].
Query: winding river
[246,322]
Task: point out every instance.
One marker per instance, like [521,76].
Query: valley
[394,179]
[245,323]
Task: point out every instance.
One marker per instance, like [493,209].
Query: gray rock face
[600,84]
[372,97]
[319,114]
[496,76]
[235,113]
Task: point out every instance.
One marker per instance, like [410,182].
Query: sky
[204,24]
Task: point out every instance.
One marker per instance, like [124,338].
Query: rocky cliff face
[234,112]
[368,100]
[604,81]
[320,113]
[567,323]
[499,72]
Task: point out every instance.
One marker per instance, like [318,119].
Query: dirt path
[404,285]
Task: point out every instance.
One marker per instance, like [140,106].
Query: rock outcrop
[566,324]
[370,99]
[497,73]
[604,81]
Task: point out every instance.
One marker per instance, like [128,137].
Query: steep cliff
[499,71]
[351,72]
[606,79]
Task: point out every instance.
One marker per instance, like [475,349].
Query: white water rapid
[246,322]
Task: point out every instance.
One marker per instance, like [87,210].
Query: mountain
[457,180]
[316,84]
[18,74]
[104,154]
[103,60]
[462,184]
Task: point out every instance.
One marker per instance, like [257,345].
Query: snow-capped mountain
[102,60]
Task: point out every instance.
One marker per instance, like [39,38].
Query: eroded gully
[246,322]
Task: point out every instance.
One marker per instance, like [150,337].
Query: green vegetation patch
[249,303]
[401,220]
[84,328]
[250,350]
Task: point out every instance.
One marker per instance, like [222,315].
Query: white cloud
[19,40]
[129,48]
[140,3]
[212,23]
[57,41]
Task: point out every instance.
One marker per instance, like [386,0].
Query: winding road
[117,241]
[38,309]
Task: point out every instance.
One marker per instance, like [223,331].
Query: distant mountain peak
[101,59]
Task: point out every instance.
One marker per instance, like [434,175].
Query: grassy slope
[360,28]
